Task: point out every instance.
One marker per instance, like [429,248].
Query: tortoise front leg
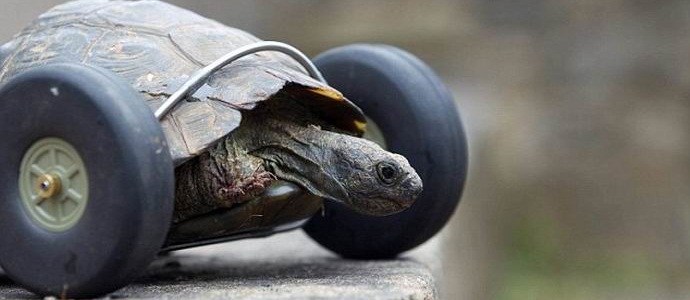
[221,178]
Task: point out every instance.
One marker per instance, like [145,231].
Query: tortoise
[283,139]
[254,129]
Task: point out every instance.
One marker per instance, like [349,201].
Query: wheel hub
[48,185]
[53,184]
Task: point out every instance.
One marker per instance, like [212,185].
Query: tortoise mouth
[397,206]
[380,207]
[409,190]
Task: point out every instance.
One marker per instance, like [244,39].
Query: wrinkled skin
[282,140]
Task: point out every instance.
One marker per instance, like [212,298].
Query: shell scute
[155,47]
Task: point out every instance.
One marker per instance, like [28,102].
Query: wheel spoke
[53,156]
[74,195]
[36,170]
[59,211]
[36,200]
[51,209]
[73,170]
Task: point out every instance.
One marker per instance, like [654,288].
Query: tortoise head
[346,169]
[377,182]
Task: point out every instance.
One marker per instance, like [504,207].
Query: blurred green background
[577,113]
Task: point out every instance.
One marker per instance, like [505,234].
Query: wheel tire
[130,181]
[418,119]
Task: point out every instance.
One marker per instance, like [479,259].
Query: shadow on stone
[182,268]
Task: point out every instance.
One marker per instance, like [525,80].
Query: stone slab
[285,266]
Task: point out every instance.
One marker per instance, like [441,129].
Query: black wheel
[411,109]
[86,181]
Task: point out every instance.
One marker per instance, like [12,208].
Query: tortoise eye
[387,172]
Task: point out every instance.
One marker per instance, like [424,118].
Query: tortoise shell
[155,47]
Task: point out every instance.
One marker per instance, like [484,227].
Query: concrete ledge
[285,266]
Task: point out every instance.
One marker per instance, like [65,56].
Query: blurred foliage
[537,267]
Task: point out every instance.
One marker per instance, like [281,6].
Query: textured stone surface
[285,266]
